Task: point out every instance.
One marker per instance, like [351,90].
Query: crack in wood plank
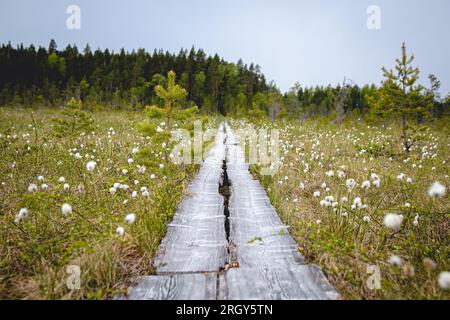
[226,241]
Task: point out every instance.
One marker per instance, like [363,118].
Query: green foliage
[74,120]
[122,80]
[57,63]
[156,112]
[399,95]
[35,252]
[401,98]
[376,149]
[255,113]
[172,95]
[338,239]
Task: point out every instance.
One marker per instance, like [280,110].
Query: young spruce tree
[401,98]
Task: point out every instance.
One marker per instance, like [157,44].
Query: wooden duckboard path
[258,260]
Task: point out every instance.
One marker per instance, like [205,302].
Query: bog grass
[346,240]
[36,251]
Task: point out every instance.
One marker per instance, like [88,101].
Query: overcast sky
[310,42]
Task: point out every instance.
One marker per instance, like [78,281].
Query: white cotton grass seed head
[130,218]
[437,190]
[366,219]
[416,220]
[32,188]
[23,213]
[444,280]
[66,209]
[357,203]
[120,231]
[395,261]
[365,184]
[393,221]
[90,166]
[41,178]
[61,180]
[142,169]
[350,183]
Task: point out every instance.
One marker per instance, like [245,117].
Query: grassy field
[116,211]
[335,188]
[101,201]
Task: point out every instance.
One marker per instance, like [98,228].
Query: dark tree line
[31,76]
[322,100]
[48,76]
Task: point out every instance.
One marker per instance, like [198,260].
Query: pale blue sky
[312,42]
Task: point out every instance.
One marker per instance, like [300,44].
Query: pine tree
[172,94]
[74,120]
[401,98]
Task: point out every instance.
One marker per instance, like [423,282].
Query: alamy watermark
[254,147]
[374,19]
[73,22]
[373,282]
[73,281]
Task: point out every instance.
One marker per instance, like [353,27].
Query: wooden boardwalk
[232,247]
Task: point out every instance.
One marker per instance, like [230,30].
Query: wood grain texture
[270,265]
[266,263]
[256,229]
[175,287]
[195,239]
[303,282]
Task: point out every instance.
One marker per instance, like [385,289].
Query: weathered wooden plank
[257,255]
[259,236]
[196,239]
[269,263]
[175,287]
[303,282]
[198,257]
